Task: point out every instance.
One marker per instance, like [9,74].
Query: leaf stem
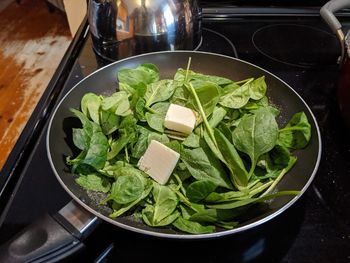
[280,176]
[127,155]
[188,68]
[292,129]
[199,104]
[201,111]
[151,110]
[244,81]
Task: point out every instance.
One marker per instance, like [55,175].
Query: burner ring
[297,45]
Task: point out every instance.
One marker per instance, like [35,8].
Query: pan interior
[103,81]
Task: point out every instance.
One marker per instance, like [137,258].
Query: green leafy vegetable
[255,135]
[297,133]
[94,182]
[234,158]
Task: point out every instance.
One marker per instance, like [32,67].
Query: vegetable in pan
[196,152]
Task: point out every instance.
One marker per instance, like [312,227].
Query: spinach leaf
[181,73]
[285,170]
[117,103]
[199,190]
[192,227]
[232,159]
[165,204]
[124,208]
[180,96]
[148,217]
[90,105]
[126,188]
[81,138]
[297,133]
[159,91]
[215,197]
[237,97]
[280,156]
[94,140]
[191,141]
[142,143]
[156,119]
[118,145]
[208,94]
[109,122]
[247,201]
[94,182]
[218,115]
[137,102]
[218,217]
[144,73]
[203,165]
[255,135]
[257,88]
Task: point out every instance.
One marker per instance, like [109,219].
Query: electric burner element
[212,40]
[297,45]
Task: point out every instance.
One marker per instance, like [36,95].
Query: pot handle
[51,238]
[327,13]
[328,10]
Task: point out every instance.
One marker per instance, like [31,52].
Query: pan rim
[188,236]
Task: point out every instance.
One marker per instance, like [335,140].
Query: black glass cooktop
[303,53]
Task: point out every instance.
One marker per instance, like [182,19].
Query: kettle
[343,90]
[123,28]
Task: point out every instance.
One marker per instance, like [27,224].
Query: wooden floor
[32,43]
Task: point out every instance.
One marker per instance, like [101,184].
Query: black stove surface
[315,229]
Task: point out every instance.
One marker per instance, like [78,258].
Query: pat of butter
[158,161]
[179,118]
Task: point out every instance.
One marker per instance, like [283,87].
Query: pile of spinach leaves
[233,159]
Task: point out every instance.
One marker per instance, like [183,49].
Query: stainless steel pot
[343,92]
[123,28]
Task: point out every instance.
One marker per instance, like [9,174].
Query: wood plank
[32,43]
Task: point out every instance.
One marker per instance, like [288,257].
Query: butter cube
[179,118]
[158,162]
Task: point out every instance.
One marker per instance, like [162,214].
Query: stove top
[303,53]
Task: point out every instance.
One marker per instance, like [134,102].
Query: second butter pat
[179,118]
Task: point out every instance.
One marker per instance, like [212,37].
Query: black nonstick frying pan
[79,216]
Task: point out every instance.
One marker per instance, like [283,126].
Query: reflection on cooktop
[296,45]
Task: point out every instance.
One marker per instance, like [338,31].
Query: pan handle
[51,238]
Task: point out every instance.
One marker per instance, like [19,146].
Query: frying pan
[80,216]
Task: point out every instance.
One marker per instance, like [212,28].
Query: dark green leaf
[203,165]
[208,94]
[247,201]
[156,120]
[159,91]
[237,97]
[191,141]
[165,203]
[192,227]
[122,209]
[256,134]
[199,190]
[126,189]
[109,122]
[232,159]
[297,133]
